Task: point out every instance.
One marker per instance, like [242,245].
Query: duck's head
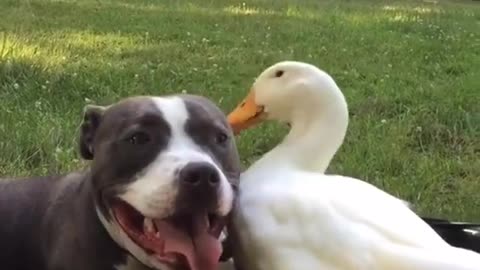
[286,91]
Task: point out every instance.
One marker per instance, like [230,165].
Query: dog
[160,183]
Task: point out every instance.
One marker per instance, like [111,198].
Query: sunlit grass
[409,70]
[242,10]
[17,48]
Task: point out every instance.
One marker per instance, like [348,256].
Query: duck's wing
[364,203]
[395,236]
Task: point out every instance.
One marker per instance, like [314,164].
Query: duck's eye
[221,138]
[139,138]
[279,73]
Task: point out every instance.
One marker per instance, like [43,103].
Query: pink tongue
[201,249]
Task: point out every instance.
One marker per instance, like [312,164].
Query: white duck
[291,217]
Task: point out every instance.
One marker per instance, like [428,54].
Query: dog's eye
[139,138]
[279,73]
[221,138]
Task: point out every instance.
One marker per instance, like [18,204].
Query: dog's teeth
[222,236]
[207,220]
[157,234]
[148,225]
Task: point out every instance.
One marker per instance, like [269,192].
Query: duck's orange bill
[246,114]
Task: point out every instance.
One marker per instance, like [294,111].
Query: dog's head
[163,171]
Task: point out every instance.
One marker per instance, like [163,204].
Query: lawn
[410,71]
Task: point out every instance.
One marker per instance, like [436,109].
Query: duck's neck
[317,132]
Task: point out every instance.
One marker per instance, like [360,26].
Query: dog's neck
[129,262]
[81,228]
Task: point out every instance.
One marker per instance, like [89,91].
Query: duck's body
[289,215]
[335,223]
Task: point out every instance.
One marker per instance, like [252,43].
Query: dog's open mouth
[183,241]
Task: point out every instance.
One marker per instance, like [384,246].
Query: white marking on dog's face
[155,191]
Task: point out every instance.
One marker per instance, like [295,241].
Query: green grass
[410,71]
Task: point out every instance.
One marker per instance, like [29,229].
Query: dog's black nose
[199,175]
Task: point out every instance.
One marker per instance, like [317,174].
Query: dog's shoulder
[23,202]
[63,187]
[19,198]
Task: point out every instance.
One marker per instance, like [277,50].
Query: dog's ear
[92,116]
